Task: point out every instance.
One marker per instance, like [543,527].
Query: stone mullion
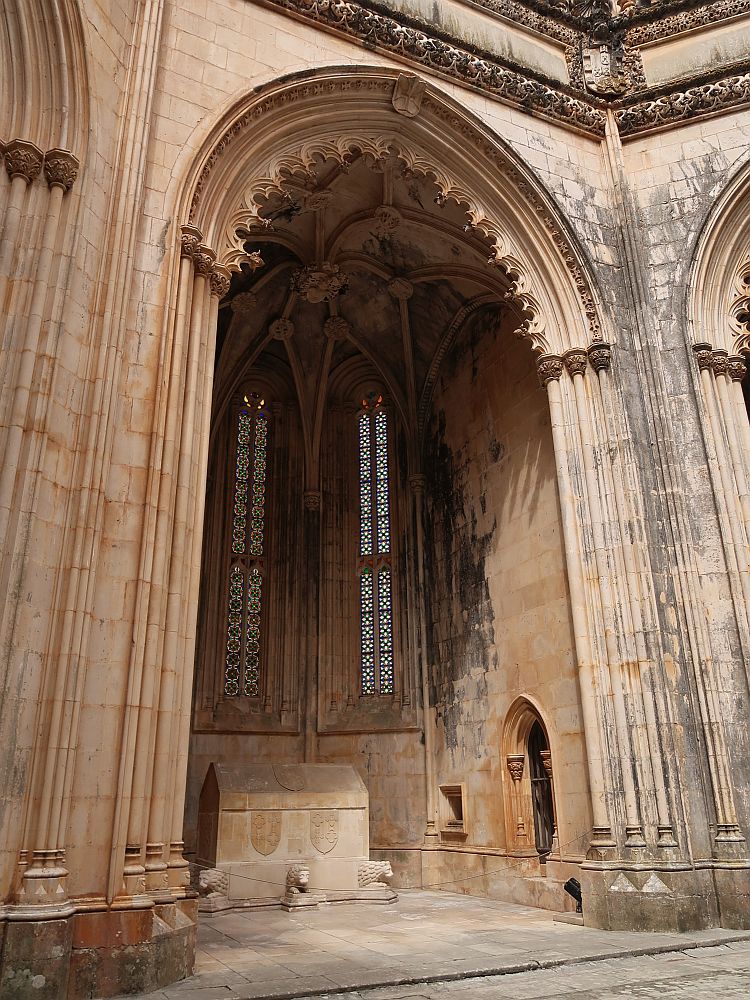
[634,579]
[167,639]
[550,369]
[708,694]
[214,290]
[417,485]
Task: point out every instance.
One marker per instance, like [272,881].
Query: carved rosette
[549,369]
[220,280]
[600,356]
[244,304]
[312,499]
[23,159]
[281,329]
[417,483]
[515,762]
[703,355]
[60,168]
[576,361]
[719,362]
[736,368]
[336,328]
[401,289]
[319,282]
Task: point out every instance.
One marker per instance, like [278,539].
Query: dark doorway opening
[541,792]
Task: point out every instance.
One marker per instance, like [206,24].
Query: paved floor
[435,944]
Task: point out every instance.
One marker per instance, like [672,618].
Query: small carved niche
[452,811]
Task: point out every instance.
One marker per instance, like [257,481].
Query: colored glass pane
[385,630]
[257,511]
[234,633]
[367,627]
[382,501]
[252,634]
[242,469]
[365,487]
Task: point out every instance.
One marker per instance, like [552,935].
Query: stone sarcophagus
[286,834]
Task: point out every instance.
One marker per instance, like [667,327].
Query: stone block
[35,959]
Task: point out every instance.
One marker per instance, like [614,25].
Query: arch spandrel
[275,137]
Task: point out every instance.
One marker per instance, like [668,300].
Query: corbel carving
[23,159]
[515,762]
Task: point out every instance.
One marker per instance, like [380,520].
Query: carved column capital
[23,159]
[719,362]
[600,356]
[60,168]
[336,328]
[576,361]
[703,355]
[312,499]
[515,762]
[549,368]
[546,756]
[736,367]
[401,289]
[190,240]
[220,280]
[417,483]
[204,259]
[281,329]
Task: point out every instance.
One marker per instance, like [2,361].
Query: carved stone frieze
[60,168]
[684,20]
[23,159]
[677,106]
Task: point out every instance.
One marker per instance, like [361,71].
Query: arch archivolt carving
[268,156]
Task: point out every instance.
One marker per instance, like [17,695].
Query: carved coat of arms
[324,829]
[265,831]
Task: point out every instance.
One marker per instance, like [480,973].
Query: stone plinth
[286,834]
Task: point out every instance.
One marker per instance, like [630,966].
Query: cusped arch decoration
[718,305]
[341,114]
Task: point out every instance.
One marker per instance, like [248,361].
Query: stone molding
[668,109]
[683,20]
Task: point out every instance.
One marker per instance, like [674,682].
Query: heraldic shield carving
[265,831]
[324,829]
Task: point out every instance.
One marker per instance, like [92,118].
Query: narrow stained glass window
[375,574]
[242,669]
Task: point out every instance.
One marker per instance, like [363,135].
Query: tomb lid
[274,786]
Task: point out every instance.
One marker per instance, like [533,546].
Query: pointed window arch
[375,556]
[247,544]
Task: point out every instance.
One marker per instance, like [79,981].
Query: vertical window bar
[365,487]
[234,632]
[382,499]
[385,630]
[367,627]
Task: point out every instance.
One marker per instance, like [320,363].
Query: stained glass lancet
[243,647]
[375,571]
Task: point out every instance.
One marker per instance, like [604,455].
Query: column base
[649,899]
[98,954]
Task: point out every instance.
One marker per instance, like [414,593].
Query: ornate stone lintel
[736,367]
[549,368]
[703,355]
[400,289]
[23,159]
[407,94]
[576,361]
[190,240]
[336,328]
[719,362]
[281,329]
[220,280]
[312,499]
[60,168]
[600,356]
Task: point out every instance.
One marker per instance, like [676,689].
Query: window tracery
[243,645]
[375,563]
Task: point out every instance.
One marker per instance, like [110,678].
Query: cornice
[664,20]
[705,98]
